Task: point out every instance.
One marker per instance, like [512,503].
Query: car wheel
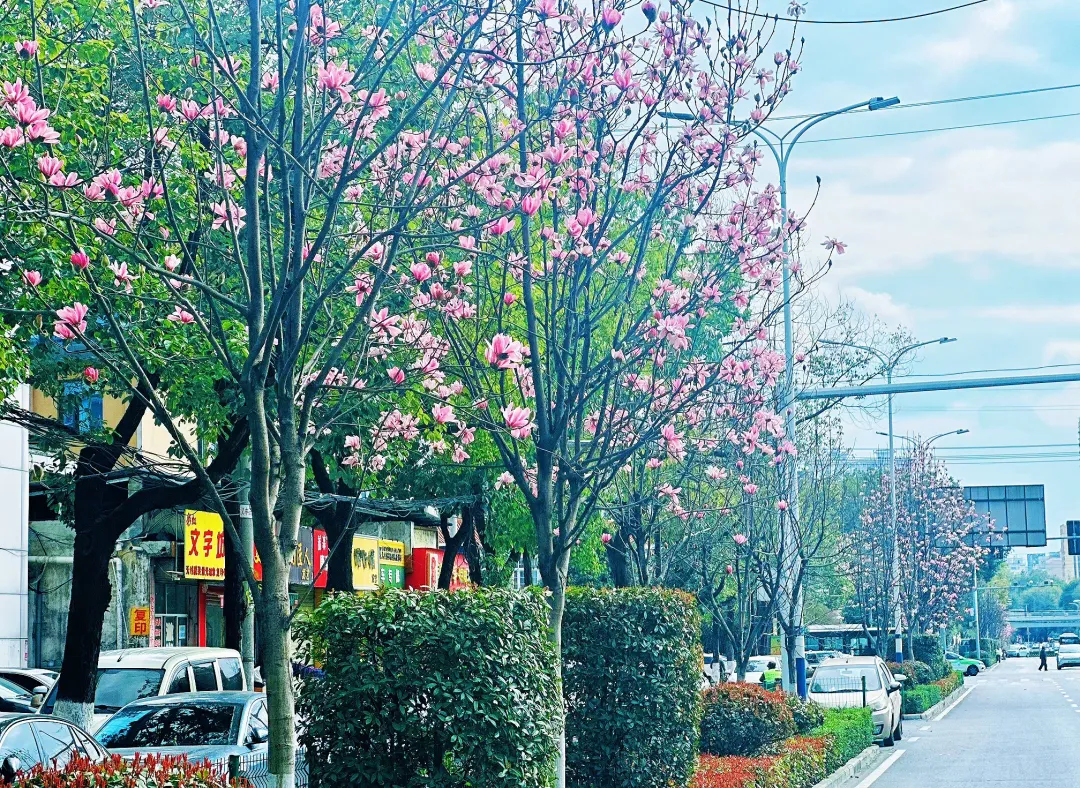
[1060,666]
[888,741]
[972,670]
[898,734]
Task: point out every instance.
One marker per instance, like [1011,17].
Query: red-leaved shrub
[144,771]
[744,719]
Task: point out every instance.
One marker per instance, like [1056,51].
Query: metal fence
[835,690]
[255,769]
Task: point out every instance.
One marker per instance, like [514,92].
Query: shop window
[80,407]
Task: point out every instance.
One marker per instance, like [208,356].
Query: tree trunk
[91,593]
[526,567]
[455,543]
[618,558]
[554,572]
[235,590]
[277,672]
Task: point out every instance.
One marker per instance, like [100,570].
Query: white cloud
[881,304]
[987,35]
[1034,314]
[1067,350]
[1061,408]
[988,200]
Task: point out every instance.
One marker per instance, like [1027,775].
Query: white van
[132,673]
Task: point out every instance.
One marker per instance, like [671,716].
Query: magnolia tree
[936,539]
[251,187]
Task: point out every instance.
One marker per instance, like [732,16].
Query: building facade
[14,522]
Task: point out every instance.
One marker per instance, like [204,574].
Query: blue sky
[971,233]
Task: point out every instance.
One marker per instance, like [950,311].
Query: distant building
[1070,569]
[1055,564]
[1036,562]
[14,522]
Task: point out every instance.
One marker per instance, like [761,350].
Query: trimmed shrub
[950,683]
[631,682]
[115,772]
[730,772]
[798,763]
[917,672]
[927,649]
[430,689]
[847,732]
[744,719]
[919,699]
[806,714]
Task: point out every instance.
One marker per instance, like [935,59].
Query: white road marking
[925,728]
[876,774]
[913,738]
[958,702]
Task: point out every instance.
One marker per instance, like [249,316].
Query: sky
[968,233]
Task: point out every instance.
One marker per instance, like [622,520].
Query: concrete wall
[14,493]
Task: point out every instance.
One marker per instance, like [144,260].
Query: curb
[862,762]
[942,705]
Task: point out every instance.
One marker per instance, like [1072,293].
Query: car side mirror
[38,697]
[9,768]
[899,677]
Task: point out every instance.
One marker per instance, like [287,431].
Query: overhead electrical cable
[802,21]
[942,128]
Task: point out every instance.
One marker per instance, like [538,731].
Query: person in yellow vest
[770,677]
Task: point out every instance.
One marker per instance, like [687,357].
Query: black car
[27,740]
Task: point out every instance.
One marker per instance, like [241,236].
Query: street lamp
[888,365]
[927,442]
[781,147]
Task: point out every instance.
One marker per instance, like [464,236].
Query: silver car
[1068,653]
[850,682]
[29,740]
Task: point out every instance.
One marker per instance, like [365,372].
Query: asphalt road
[1016,727]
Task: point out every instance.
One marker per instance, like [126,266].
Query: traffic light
[1072,528]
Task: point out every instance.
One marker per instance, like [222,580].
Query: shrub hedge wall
[430,689]
[632,667]
[744,719]
[848,731]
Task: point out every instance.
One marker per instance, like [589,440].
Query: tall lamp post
[781,147]
[888,364]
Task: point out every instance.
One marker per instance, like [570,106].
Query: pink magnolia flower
[501,225]
[831,244]
[505,479]
[546,9]
[443,414]
[509,299]
[190,110]
[714,473]
[91,375]
[105,227]
[166,103]
[80,260]
[519,420]
[530,205]
[554,531]
[649,9]
[782,505]
[49,165]
[610,17]
[463,268]
[72,320]
[459,455]
[740,539]
[333,77]
[426,72]
[26,49]
[750,488]
[228,213]
[397,376]
[504,352]
[352,442]
[32,278]
[605,538]
[181,316]
[11,137]
[421,272]
[729,569]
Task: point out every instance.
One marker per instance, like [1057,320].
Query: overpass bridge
[1039,624]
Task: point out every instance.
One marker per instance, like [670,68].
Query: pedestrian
[770,677]
[1042,657]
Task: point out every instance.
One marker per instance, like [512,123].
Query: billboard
[1017,513]
[204,540]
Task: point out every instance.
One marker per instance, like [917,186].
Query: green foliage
[744,719]
[631,672]
[801,763]
[919,699]
[848,732]
[917,672]
[927,649]
[807,714]
[950,683]
[430,689]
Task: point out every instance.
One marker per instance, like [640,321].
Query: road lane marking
[958,702]
[913,738]
[876,774]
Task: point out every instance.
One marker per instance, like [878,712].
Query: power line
[942,128]
[801,21]
[987,371]
[939,102]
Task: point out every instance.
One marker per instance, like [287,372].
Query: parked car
[1014,650]
[30,678]
[849,682]
[14,698]
[815,658]
[1068,650]
[27,740]
[966,665]
[130,674]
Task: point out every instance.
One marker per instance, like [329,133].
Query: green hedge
[927,649]
[807,714]
[950,683]
[848,732]
[429,689]
[917,672]
[632,667]
[744,719]
[919,699]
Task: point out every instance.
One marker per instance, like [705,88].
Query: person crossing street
[1042,658]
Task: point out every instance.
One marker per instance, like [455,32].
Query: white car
[755,666]
[850,682]
[132,673]
[1068,650]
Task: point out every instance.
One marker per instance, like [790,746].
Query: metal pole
[978,629]
[898,650]
[247,546]
[839,392]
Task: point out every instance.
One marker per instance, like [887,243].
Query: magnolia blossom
[519,420]
[72,321]
[80,260]
[740,539]
[181,316]
[32,278]
[91,375]
[504,352]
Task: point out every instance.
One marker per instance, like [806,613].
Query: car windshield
[117,687]
[192,724]
[758,665]
[845,678]
[1069,640]
[9,691]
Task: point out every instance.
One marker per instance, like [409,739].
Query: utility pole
[247,547]
[978,629]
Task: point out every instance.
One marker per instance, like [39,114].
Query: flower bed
[798,762]
[144,771]
[923,697]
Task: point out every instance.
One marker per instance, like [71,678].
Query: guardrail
[254,769]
